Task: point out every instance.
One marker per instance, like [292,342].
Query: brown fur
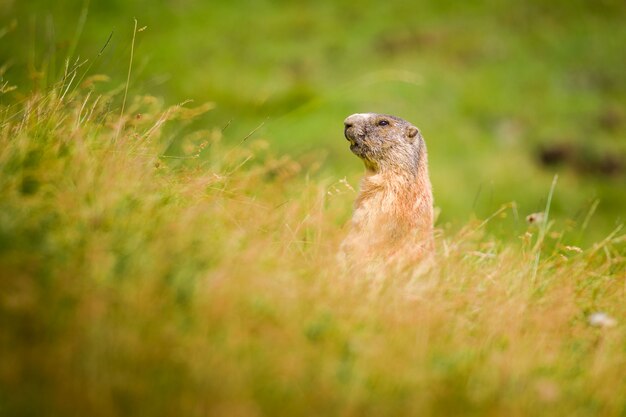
[393,216]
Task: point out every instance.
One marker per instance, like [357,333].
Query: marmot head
[383,141]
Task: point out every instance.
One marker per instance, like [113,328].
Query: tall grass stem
[543,228]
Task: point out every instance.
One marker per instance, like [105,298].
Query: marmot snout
[393,216]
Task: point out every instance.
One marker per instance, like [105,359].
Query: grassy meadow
[173,194]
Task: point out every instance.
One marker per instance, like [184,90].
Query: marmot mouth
[356,141]
[354,138]
[358,149]
[355,147]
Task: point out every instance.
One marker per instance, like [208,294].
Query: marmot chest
[386,213]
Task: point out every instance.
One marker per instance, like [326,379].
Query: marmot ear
[412,132]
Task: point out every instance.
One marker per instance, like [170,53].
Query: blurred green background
[506,93]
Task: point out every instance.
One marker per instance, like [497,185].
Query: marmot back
[393,214]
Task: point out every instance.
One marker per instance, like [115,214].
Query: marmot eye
[383,123]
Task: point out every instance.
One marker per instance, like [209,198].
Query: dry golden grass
[133,283]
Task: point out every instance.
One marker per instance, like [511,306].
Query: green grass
[181,260]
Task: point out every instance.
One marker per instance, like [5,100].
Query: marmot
[393,214]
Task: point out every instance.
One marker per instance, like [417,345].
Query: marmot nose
[345,129]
